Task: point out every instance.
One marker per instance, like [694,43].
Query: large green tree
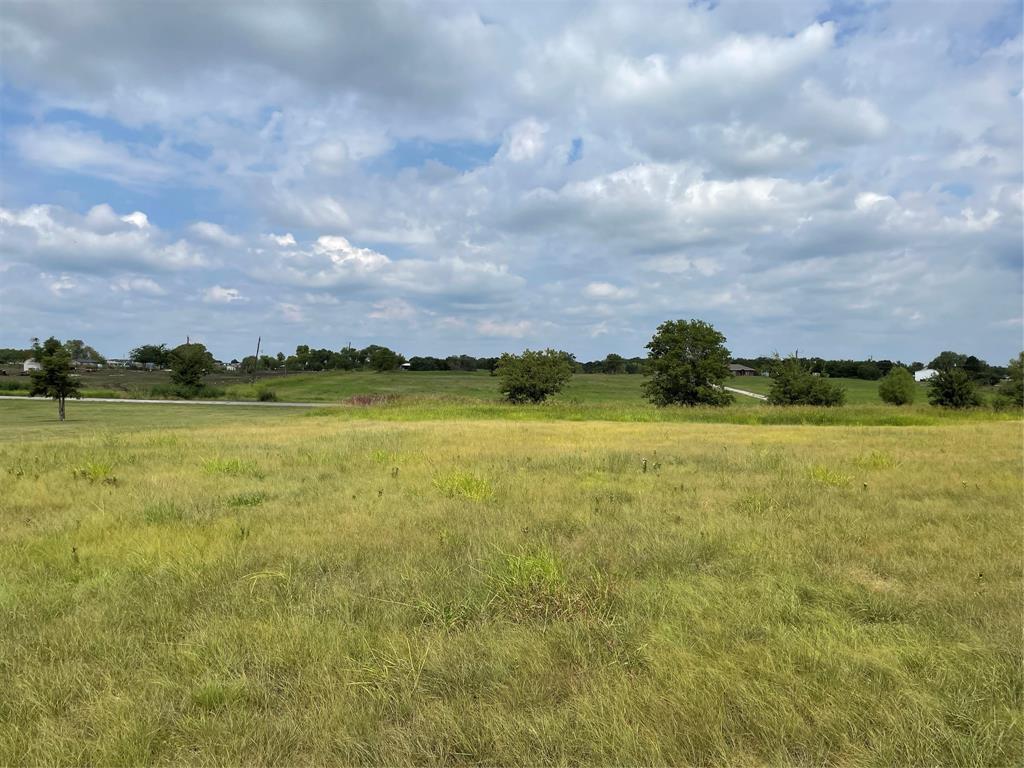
[55,379]
[948,359]
[898,386]
[157,354]
[189,364]
[687,363]
[534,375]
[79,350]
[953,388]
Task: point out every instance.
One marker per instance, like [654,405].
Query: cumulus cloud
[507,330]
[484,173]
[219,295]
[99,241]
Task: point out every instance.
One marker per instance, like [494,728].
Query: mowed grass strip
[311,590]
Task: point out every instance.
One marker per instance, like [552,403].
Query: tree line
[687,365]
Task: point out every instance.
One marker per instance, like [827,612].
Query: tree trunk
[60,407]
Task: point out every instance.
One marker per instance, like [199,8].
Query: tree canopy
[55,378]
[687,363]
[534,375]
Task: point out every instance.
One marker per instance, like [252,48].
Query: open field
[186,585]
[336,386]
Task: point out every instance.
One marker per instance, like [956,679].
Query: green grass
[268,586]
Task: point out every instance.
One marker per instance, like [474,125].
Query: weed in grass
[96,472]
[249,499]
[232,467]
[215,695]
[532,585]
[828,476]
[464,485]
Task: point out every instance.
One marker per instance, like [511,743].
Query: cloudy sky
[841,178]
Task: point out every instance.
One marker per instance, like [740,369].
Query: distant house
[742,370]
[118,363]
[31,365]
[924,374]
[86,365]
[405,367]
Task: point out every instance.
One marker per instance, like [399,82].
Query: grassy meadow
[221,585]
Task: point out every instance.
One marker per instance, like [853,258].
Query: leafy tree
[953,388]
[383,359]
[869,370]
[55,379]
[157,354]
[79,350]
[614,363]
[898,387]
[533,376]
[793,383]
[189,364]
[688,364]
[946,360]
[1011,391]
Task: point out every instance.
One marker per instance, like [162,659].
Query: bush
[533,376]
[794,384]
[953,388]
[267,396]
[898,387]
[688,364]
[1010,393]
[183,392]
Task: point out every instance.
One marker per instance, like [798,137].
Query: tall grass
[335,590]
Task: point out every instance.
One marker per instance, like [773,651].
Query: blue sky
[838,178]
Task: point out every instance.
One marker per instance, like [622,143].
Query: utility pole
[256,360]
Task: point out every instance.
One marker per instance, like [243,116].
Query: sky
[838,178]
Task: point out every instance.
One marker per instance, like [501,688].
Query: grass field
[201,585]
[479,386]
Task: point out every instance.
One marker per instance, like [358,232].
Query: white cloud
[138,285]
[220,295]
[788,176]
[509,330]
[215,234]
[608,291]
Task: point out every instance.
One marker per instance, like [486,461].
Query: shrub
[1010,393]
[794,384]
[533,376]
[267,396]
[687,363]
[953,388]
[898,387]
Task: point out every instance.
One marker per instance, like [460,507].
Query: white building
[31,365]
[924,374]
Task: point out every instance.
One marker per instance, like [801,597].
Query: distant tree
[55,379]
[157,354]
[869,370]
[533,376]
[383,359]
[688,364]
[189,364]
[953,388]
[898,387]
[946,360]
[1010,393]
[614,363]
[793,383]
[10,355]
[79,350]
